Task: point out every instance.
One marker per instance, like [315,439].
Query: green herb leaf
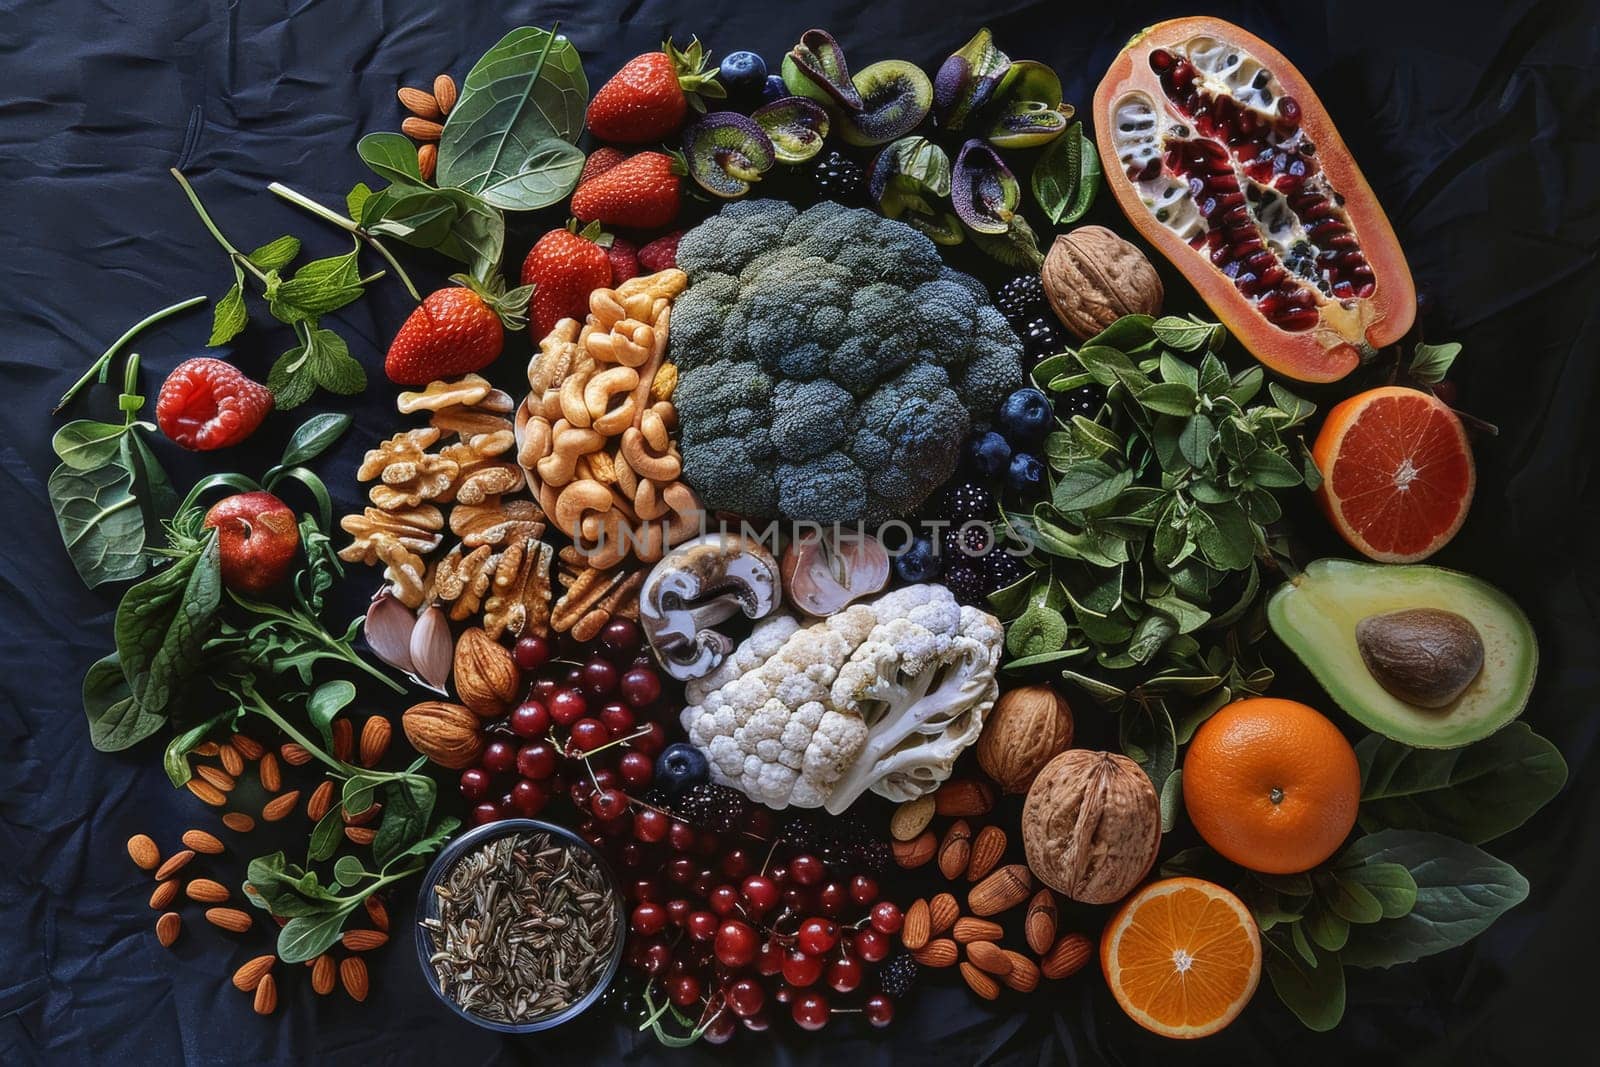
[163,621]
[407,808]
[1194,442]
[100,522]
[1067,176]
[276,255]
[1390,884]
[391,156]
[313,437]
[305,937]
[326,835]
[1184,334]
[1088,485]
[229,317]
[323,359]
[348,871]
[357,197]
[175,760]
[1430,363]
[324,705]
[116,720]
[321,286]
[1297,409]
[509,137]
[1037,631]
[1169,398]
[84,444]
[1474,793]
[1315,994]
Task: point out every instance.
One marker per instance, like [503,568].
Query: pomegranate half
[1222,156]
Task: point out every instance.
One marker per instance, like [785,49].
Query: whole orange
[1272,785]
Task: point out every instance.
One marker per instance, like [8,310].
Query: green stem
[258,705]
[314,629]
[238,258]
[348,225]
[100,364]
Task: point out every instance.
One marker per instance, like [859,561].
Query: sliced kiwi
[895,98]
[795,125]
[727,152]
[815,69]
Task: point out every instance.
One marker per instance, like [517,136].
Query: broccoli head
[830,363]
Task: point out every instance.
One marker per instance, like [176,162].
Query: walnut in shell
[1093,278]
[1091,825]
[1027,727]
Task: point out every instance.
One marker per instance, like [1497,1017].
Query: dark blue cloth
[1474,122]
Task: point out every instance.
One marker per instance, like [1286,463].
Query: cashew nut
[653,428]
[658,467]
[578,499]
[647,502]
[599,393]
[568,443]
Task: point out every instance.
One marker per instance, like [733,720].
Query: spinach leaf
[1474,793]
[116,719]
[325,704]
[326,835]
[85,444]
[175,760]
[305,937]
[158,500]
[1461,891]
[162,623]
[407,807]
[100,522]
[509,137]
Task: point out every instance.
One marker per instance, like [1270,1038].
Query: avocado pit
[1423,656]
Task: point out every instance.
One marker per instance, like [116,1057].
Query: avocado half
[1316,614]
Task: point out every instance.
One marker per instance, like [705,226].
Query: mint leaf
[335,369]
[275,255]
[229,317]
[289,386]
[321,286]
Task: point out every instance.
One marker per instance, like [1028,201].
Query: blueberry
[988,453]
[774,89]
[743,74]
[918,563]
[1026,473]
[679,766]
[1025,416]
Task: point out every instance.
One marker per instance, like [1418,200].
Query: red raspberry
[662,253]
[207,403]
[624,257]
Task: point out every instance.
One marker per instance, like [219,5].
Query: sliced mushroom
[824,571]
[698,585]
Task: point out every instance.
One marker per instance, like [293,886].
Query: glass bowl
[428,908]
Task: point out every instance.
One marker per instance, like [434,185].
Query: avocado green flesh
[1316,616]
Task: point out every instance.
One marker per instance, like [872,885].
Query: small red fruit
[600,160]
[648,98]
[454,331]
[564,268]
[257,537]
[207,403]
[624,257]
[641,192]
[662,253]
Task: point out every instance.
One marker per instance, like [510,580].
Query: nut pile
[425,123]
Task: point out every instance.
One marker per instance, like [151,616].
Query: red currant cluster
[733,939]
[589,726]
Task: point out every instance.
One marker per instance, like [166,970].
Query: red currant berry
[543,690]
[599,678]
[645,889]
[681,836]
[779,873]
[702,925]
[871,945]
[609,804]
[799,898]
[605,778]
[736,863]
[810,1011]
[580,792]
[800,968]
[648,918]
[475,782]
[879,1010]
[651,741]
[484,813]
[657,958]
[567,706]
[636,770]
[806,869]
[680,871]
[745,997]
[844,975]
[886,917]
[536,760]
[529,798]
[588,735]
[817,937]
[617,720]
[641,687]
[499,757]
[723,899]
[736,944]
[760,894]
[831,899]
[863,889]
[530,719]
[531,652]
[678,910]
[784,993]
[649,825]
[621,638]
[769,961]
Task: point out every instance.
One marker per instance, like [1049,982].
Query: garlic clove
[388,627]
[432,649]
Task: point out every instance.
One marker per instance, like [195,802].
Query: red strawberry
[641,193]
[649,97]
[564,268]
[454,331]
[600,160]
[624,257]
[662,253]
[206,404]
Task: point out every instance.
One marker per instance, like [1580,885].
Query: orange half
[1397,473]
[1182,957]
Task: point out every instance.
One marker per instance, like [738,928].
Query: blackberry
[965,542]
[963,578]
[1042,337]
[1085,400]
[1001,569]
[1021,300]
[845,845]
[966,501]
[898,975]
[712,807]
[838,177]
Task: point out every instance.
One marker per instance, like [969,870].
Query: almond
[1067,957]
[363,817]
[250,973]
[175,863]
[1040,926]
[360,835]
[911,818]
[247,746]
[987,849]
[216,776]
[280,806]
[915,926]
[267,770]
[363,940]
[143,851]
[448,734]
[206,891]
[427,160]
[988,956]
[266,1001]
[917,851]
[232,761]
[294,755]
[168,927]
[487,677]
[964,798]
[940,952]
[206,792]
[444,91]
[238,822]
[419,102]
[321,801]
[343,738]
[1024,973]
[323,973]
[968,929]
[375,736]
[955,849]
[231,919]
[353,973]
[943,911]
[164,894]
[980,983]
[1002,890]
[201,841]
[377,913]
[207,749]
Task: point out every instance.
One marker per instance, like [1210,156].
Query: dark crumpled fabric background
[1474,122]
